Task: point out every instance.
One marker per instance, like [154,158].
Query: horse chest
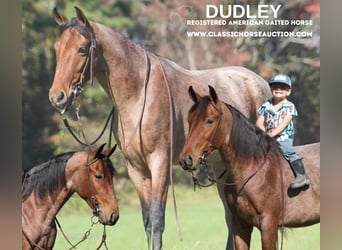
[241,206]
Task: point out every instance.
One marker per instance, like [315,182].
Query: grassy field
[201,216]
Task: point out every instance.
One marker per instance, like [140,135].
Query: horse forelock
[201,105]
[247,140]
[108,164]
[80,28]
[46,178]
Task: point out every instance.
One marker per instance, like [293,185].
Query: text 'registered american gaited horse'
[257,176]
[149,94]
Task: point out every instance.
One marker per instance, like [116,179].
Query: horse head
[205,130]
[75,54]
[96,185]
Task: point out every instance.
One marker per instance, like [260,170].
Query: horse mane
[46,178]
[248,140]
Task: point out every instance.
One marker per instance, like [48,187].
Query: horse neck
[121,69]
[235,165]
[44,210]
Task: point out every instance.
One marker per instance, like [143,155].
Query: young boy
[275,118]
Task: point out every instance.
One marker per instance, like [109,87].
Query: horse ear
[59,18]
[108,152]
[193,95]
[81,17]
[212,94]
[99,151]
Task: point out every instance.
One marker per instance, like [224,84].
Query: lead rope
[171,151]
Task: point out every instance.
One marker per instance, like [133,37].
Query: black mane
[46,178]
[248,140]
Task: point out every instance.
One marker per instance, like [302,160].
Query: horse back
[303,205]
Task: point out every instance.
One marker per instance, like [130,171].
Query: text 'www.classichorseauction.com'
[264,19]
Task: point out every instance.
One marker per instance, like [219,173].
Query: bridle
[78,88]
[92,194]
[211,147]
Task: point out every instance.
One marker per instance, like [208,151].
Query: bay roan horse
[257,176]
[150,100]
[48,186]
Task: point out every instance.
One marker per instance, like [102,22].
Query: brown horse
[48,186]
[148,93]
[257,176]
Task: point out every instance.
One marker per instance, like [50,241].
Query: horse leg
[159,166]
[143,185]
[228,215]
[219,169]
[242,233]
[269,233]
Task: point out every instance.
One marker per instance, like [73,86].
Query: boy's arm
[260,122]
[281,126]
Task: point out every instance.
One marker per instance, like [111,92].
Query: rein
[215,181]
[138,125]
[171,149]
[110,117]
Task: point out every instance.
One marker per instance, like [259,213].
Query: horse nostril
[188,160]
[60,97]
[113,218]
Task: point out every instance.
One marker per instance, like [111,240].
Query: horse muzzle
[187,163]
[58,100]
[112,219]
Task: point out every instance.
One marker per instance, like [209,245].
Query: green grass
[201,216]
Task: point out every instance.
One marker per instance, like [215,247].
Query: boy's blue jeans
[287,147]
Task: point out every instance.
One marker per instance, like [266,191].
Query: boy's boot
[301,178]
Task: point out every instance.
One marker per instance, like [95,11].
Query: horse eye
[82,51]
[209,121]
[99,176]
